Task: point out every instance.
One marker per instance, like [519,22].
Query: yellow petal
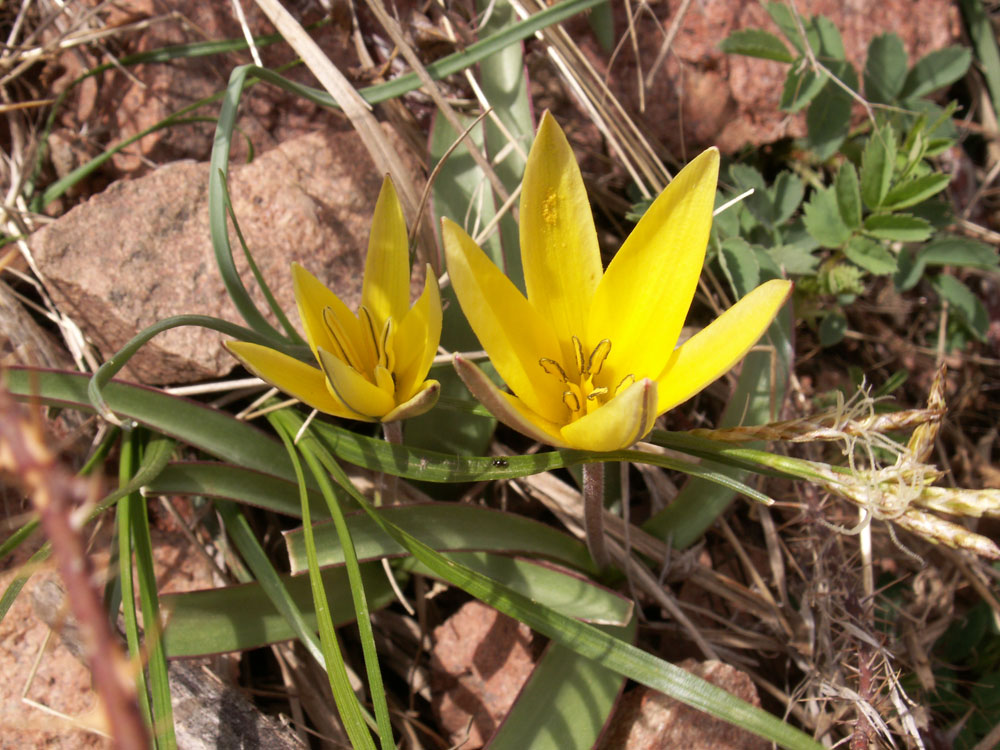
[422,401]
[510,410]
[712,351]
[416,340]
[386,287]
[366,401]
[622,421]
[313,297]
[643,299]
[297,379]
[509,328]
[559,251]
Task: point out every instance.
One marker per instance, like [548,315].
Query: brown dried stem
[57,493]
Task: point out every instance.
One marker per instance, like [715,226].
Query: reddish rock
[648,720]
[702,97]
[481,660]
[121,103]
[140,251]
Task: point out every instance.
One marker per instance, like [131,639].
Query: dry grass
[785,593]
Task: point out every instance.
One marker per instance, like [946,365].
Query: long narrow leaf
[156,662]
[231,440]
[351,712]
[586,640]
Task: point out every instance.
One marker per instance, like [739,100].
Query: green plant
[875,195]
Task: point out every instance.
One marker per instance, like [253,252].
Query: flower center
[374,356]
[587,391]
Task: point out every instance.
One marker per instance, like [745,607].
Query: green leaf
[756,43]
[936,70]
[739,261]
[964,302]
[242,617]
[586,640]
[877,163]
[572,595]
[831,45]
[848,195]
[898,227]
[782,16]
[915,190]
[828,121]
[566,691]
[832,329]
[786,195]
[800,88]
[759,203]
[822,220]
[959,251]
[443,526]
[885,68]
[870,255]
[794,259]
[984,42]
[225,437]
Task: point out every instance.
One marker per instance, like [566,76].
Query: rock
[120,103]
[140,251]
[702,97]
[649,720]
[480,661]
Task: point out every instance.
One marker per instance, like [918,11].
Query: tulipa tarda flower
[372,365]
[591,356]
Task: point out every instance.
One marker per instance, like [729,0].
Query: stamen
[387,353]
[625,383]
[552,367]
[571,400]
[578,353]
[341,339]
[368,325]
[597,357]
[597,393]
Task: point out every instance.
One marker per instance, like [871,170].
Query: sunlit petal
[365,400]
[712,351]
[417,337]
[619,423]
[507,325]
[422,401]
[313,297]
[386,287]
[643,299]
[510,410]
[559,251]
[297,379]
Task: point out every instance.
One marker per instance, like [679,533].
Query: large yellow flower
[372,365]
[591,356]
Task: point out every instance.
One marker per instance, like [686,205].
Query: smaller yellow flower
[373,365]
[591,355]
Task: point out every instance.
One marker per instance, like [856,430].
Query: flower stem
[593,512]
[388,483]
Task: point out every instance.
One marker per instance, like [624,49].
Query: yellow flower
[372,365]
[591,355]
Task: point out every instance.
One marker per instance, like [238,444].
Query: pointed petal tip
[423,401]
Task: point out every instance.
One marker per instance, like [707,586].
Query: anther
[578,354]
[625,383]
[369,325]
[597,357]
[597,393]
[571,400]
[552,367]
[341,339]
